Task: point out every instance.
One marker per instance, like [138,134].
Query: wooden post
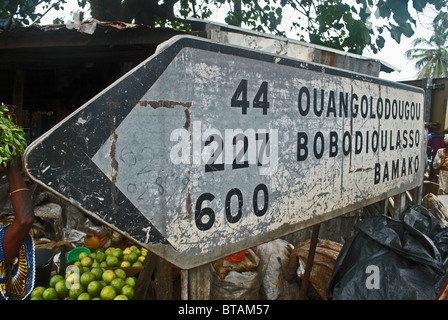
[399,205]
[417,195]
[196,283]
[309,262]
[156,280]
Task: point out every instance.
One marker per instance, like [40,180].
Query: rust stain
[328,58]
[163,103]
[189,201]
[189,204]
[187,119]
[169,104]
[362,169]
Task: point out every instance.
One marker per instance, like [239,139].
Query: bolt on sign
[206,149]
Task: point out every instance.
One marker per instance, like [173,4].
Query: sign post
[207,149]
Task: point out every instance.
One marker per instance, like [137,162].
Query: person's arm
[23,211]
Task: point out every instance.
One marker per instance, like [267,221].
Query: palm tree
[432,61]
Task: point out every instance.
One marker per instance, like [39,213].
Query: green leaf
[13,142]
[419,5]
[395,33]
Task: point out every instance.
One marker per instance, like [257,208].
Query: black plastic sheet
[407,257]
[5,23]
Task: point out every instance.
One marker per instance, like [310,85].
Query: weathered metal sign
[206,149]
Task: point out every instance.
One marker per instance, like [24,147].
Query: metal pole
[309,262]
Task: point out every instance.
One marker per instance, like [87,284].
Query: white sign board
[225,148]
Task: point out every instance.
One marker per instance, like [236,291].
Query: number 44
[239,99]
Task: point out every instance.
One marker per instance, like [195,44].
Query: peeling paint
[147,230]
[164,104]
[187,119]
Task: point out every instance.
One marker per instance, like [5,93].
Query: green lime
[108,293]
[117,284]
[74,269]
[55,279]
[135,250]
[50,294]
[98,272]
[61,288]
[109,251]
[86,261]
[120,273]
[108,276]
[73,278]
[128,291]
[75,290]
[132,257]
[112,261]
[118,253]
[100,256]
[86,278]
[132,281]
[84,296]
[94,288]
[121,297]
[82,255]
[37,292]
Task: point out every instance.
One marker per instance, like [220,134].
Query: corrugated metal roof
[293,48]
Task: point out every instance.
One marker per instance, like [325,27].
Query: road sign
[206,149]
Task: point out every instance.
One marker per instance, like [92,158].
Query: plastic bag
[274,257]
[249,262]
[236,285]
[392,260]
[236,280]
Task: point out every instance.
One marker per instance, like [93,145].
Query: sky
[392,53]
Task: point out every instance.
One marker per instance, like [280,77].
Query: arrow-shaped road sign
[206,149]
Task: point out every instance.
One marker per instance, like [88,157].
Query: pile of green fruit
[96,276]
[113,257]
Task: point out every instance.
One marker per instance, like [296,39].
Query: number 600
[205,217]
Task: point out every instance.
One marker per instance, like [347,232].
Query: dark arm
[23,211]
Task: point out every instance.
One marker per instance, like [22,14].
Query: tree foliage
[432,55]
[341,24]
[12,137]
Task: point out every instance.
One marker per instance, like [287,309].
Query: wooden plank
[196,283]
